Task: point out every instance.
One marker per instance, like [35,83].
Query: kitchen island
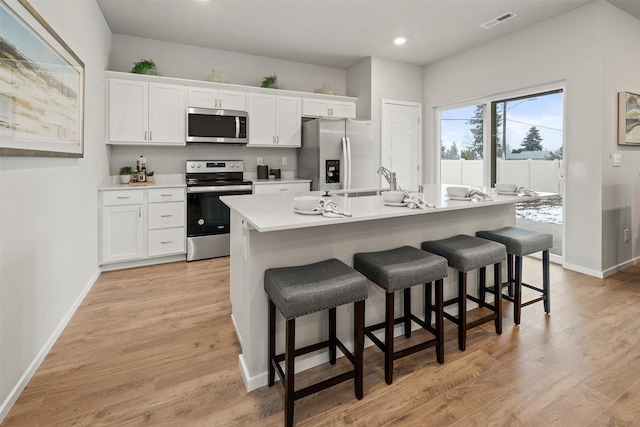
[266,233]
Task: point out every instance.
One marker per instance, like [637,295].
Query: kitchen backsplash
[171,160]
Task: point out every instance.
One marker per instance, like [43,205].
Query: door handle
[145,135]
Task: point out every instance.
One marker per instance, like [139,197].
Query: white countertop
[161,181]
[274,212]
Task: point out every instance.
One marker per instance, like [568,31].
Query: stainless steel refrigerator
[338,154]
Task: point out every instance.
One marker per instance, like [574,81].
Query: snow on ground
[543,210]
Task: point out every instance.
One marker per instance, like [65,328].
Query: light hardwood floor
[156,346]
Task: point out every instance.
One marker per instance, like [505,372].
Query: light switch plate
[284,161]
[616,160]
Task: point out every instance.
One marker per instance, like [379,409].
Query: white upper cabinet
[328,108]
[212,98]
[274,121]
[146,113]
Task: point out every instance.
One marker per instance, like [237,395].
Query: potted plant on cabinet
[150,177]
[125,174]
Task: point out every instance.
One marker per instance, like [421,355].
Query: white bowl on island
[457,191]
[395,196]
[506,188]
[306,203]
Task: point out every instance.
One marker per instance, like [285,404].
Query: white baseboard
[583,270]
[35,364]
[609,271]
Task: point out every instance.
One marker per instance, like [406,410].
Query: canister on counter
[263,171]
[275,172]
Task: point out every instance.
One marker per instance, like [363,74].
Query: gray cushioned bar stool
[521,242]
[305,289]
[465,253]
[397,269]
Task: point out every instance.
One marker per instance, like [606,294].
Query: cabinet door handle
[282,189]
[123,197]
[150,135]
[145,135]
[140,212]
[166,195]
[277,140]
[167,242]
[166,216]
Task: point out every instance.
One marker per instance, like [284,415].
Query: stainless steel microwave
[212,126]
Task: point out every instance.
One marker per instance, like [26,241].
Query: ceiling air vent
[498,20]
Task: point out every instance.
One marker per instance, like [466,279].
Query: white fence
[540,175]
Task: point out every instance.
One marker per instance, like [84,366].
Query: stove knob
[199,165]
[201,221]
[237,165]
[192,166]
[233,165]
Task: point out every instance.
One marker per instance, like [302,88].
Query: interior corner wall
[48,215]
[375,79]
[566,49]
[195,63]
[359,85]
[621,185]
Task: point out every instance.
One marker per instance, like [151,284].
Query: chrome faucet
[390,177]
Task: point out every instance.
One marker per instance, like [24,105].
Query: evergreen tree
[453,152]
[533,140]
[475,148]
[477,132]
[443,151]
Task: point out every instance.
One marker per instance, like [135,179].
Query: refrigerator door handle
[348,162]
[345,164]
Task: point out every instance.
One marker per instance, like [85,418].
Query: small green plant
[150,173]
[142,66]
[270,81]
[125,170]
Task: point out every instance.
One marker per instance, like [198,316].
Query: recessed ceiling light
[400,40]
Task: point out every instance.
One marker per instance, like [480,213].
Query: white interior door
[402,141]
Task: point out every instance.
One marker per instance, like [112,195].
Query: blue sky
[544,112]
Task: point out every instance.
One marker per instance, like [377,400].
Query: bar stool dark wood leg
[388,339]
[497,297]
[407,311]
[482,288]
[462,310]
[332,336]
[510,274]
[358,347]
[272,341]
[545,281]
[439,319]
[428,307]
[289,389]
[517,298]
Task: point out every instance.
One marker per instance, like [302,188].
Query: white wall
[566,49]
[48,215]
[193,62]
[621,186]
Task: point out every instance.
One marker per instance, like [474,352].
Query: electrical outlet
[626,234]
[259,160]
[284,161]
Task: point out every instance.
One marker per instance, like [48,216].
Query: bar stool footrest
[368,331]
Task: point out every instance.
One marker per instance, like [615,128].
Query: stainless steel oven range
[207,216]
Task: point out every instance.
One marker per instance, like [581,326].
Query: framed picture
[628,118]
[41,87]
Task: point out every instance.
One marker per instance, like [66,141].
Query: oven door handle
[219,189]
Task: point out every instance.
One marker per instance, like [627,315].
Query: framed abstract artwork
[628,118]
[41,87]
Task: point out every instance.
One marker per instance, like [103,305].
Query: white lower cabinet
[122,233]
[142,224]
[278,187]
